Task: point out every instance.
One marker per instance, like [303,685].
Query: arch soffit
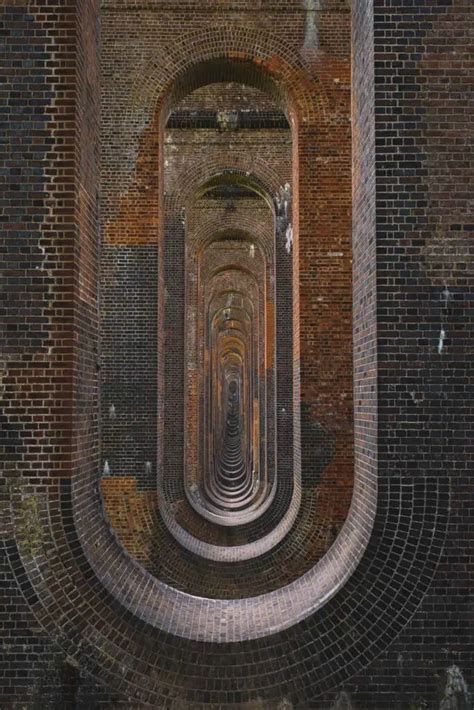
[211,232]
[186,183]
[162,75]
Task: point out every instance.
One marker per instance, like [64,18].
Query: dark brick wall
[128,361]
[424,287]
[423,137]
[49,159]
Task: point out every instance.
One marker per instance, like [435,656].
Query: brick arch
[187,183]
[75,608]
[255,56]
[193,184]
[244,225]
[185,187]
[183,71]
[180,193]
[258,174]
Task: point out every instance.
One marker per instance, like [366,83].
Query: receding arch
[194,79]
[267,188]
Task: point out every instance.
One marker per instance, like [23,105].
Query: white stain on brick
[456,693]
[282,199]
[442,336]
[446,295]
[289,238]
[311,39]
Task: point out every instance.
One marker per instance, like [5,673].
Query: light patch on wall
[311,39]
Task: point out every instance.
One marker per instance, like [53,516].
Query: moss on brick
[30,531]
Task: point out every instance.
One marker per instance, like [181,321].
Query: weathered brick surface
[320,334]
[75,606]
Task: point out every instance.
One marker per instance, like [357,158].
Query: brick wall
[74,624]
[50,168]
[322,343]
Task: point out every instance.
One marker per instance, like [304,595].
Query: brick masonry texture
[131,218]
[79,616]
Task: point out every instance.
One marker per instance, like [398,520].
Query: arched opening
[227,235]
[227,189]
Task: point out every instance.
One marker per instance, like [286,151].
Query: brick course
[75,626]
